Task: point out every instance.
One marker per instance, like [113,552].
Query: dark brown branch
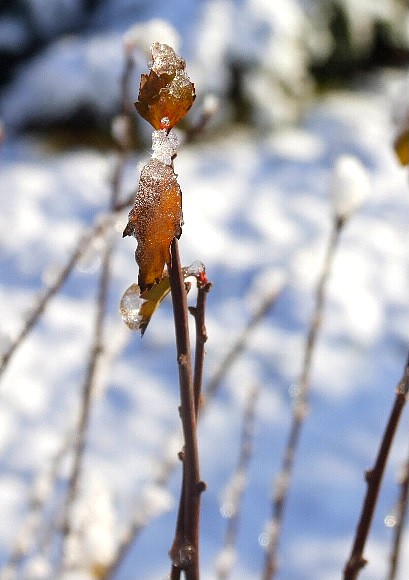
[245,454]
[198,313]
[300,409]
[402,509]
[185,550]
[374,479]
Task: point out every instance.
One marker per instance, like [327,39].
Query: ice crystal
[164,145]
[130,305]
[165,60]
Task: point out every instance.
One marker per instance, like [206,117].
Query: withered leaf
[155,220]
[166,94]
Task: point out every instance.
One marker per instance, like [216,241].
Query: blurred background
[288,88]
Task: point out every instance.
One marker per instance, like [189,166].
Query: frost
[350,186]
[196,268]
[130,306]
[164,145]
[165,60]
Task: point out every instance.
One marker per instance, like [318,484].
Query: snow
[258,209]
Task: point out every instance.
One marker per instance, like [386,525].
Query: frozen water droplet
[195,269]
[130,306]
[165,122]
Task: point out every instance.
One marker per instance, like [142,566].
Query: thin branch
[300,410]
[236,486]
[198,313]
[185,550]
[402,510]
[374,479]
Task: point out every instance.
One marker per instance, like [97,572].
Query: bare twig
[185,549]
[198,313]
[299,411]
[236,486]
[373,478]
[402,509]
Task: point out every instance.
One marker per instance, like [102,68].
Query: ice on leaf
[167,92]
[155,220]
[137,308]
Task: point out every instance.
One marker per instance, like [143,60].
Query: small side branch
[374,479]
[198,313]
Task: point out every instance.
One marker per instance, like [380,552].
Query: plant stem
[185,550]
[198,313]
[374,478]
[300,408]
[168,465]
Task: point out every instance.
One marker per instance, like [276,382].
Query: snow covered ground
[253,206]
[257,210]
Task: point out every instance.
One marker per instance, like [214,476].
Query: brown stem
[402,509]
[374,479]
[198,313]
[186,554]
[300,409]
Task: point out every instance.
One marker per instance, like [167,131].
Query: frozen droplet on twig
[130,307]
[195,269]
[350,186]
[183,555]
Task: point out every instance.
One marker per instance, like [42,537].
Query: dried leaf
[155,220]
[166,94]
[401,146]
[137,308]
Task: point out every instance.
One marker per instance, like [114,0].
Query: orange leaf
[166,94]
[155,220]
